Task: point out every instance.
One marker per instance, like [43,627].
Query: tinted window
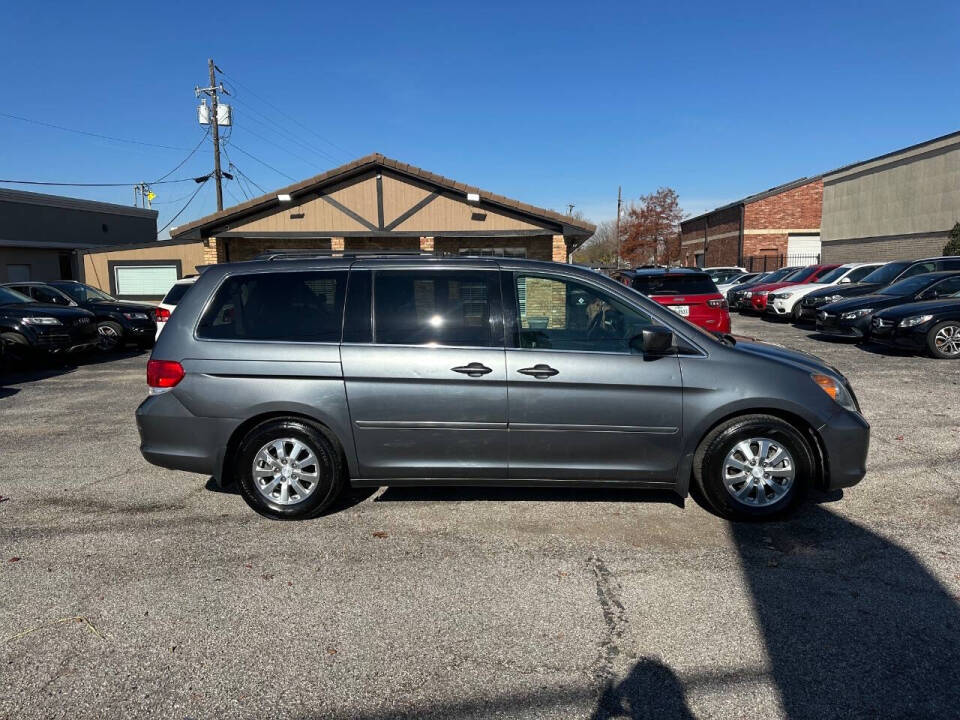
[722,276]
[82,293]
[558,314]
[49,295]
[780,274]
[909,286]
[421,307]
[858,274]
[175,293]
[675,284]
[835,274]
[10,297]
[945,288]
[886,273]
[294,306]
[919,269]
[953,264]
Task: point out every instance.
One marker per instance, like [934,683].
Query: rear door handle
[474,369]
[540,372]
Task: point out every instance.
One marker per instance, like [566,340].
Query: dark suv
[298,377]
[118,321]
[28,327]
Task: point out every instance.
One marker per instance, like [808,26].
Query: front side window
[945,288]
[437,307]
[290,307]
[858,274]
[560,314]
[80,293]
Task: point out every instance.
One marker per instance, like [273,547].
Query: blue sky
[551,103]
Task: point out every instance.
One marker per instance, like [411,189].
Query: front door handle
[540,372]
[474,369]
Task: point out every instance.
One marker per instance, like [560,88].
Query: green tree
[953,244]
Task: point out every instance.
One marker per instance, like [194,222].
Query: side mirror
[654,340]
[844,281]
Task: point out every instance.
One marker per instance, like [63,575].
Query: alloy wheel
[758,472]
[107,337]
[947,340]
[286,471]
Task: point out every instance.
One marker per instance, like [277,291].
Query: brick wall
[722,230]
[537,248]
[893,248]
[237,249]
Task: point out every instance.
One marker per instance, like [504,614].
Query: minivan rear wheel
[754,467]
[289,470]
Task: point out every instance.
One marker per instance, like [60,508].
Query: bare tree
[601,247]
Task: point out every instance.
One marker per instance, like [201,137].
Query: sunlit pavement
[131,590]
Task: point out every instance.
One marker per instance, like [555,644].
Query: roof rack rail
[310,254]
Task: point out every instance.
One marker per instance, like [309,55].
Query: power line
[271,167]
[75,184]
[286,115]
[183,162]
[170,222]
[270,142]
[284,133]
[90,134]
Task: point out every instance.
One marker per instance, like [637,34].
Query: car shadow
[527,494]
[350,497]
[6,392]
[18,371]
[886,350]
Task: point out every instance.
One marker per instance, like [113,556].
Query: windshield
[175,293]
[83,293]
[12,297]
[778,274]
[886,273]
[834,275]
[723,275]
[801,274]
[675,284]
[909,286]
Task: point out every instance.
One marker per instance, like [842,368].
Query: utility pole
[214,92]
[619,203]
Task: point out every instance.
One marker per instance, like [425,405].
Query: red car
[689,293]
[809,274]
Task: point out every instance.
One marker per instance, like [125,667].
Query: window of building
[18,273]
[415,307]
[291,307]
[560,314]
[145,281]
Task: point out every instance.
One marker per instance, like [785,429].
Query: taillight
[161,314]
[163,375]
[720,303]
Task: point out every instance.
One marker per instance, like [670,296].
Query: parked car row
[912,304]
[65,316]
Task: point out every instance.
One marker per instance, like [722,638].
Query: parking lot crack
[617,644]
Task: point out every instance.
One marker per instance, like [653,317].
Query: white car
[785,301]
[737,280]
[169,303]
[724,274]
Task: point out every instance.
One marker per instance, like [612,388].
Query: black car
[736,296]
[28,327]
[852,317]
[118,322]
[890,273]
[932,325]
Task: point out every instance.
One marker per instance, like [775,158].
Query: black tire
[795,313]
[709,466]
[953,325]
[331,477]
[109,335]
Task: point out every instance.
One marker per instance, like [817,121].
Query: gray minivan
[297,376]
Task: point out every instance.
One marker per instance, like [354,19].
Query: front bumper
[846,441]
[833,325]
[64,338]
[911,338]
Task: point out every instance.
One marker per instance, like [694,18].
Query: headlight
[832,298]
[41,320]
[915,320]
[748,294]
[854,314]
[835,389]
[136,316]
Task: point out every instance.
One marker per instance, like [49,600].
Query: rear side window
[858,274]
[291,307]
[918,269]
[421,307]
[686,284]
[175,293]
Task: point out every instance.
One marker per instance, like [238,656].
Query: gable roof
[207,226]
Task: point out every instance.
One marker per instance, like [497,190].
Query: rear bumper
[172,437]
[846,440]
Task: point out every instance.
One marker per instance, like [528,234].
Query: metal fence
[763,263]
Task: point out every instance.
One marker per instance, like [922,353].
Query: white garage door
[144,280]
[802,248]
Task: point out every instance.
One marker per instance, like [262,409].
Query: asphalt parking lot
[131,590]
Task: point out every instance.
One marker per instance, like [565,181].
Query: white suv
[169,303]
[785,301]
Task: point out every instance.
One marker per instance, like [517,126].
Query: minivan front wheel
[754,467]
[289,470]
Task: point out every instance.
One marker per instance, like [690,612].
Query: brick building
[376,203]
[776,227]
